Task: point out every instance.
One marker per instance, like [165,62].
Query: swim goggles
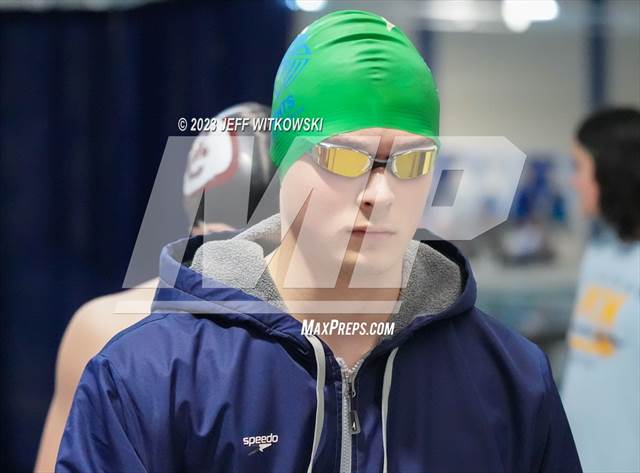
[351,162]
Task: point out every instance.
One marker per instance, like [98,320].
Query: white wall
[624,52]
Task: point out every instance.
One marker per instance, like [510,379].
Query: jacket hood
[182,392]
[225,277]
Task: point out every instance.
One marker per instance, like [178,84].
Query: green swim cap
[354,70]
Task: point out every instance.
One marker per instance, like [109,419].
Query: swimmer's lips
[373,233]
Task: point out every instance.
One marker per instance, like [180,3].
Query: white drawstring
[318,350]
[386,387]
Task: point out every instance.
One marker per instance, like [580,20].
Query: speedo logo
[261,442]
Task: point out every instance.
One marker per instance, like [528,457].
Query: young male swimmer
[221,378]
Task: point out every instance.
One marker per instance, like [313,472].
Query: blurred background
[90,90]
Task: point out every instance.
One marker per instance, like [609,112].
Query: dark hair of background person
[612,138]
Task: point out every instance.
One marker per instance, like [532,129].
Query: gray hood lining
[431,282]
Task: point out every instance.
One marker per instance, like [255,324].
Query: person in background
[601,388]
[98,320]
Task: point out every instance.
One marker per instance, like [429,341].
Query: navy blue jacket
[236,391]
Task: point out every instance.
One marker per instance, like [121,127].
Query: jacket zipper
[350,419]
[354,422]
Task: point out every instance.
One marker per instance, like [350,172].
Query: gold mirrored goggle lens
[410,164]
[342,161]
[349,162]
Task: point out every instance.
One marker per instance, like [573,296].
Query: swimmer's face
[584,180]
[340,208]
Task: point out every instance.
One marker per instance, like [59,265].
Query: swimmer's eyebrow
[353,142]
[372,142]
[366,140]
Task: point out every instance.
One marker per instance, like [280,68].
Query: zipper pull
[353,414]
[355,422]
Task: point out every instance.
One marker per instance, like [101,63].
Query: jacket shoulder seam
[132,329]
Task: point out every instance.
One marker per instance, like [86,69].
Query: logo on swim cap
[292,64]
